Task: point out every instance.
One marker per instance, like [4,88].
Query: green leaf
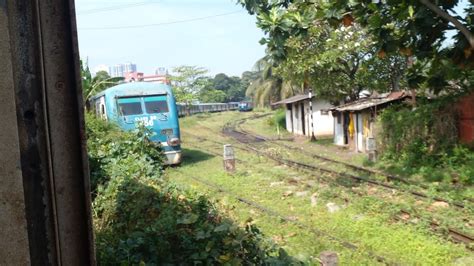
[188,218]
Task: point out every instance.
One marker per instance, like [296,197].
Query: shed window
[339,118]
[155,105]
[130,106]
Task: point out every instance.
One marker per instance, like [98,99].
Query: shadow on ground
[191,156]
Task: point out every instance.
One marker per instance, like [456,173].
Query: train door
[289,109]
[100,109]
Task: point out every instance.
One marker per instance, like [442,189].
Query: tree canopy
[192,83]
[409,35]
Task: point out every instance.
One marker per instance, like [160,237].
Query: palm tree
[268,88]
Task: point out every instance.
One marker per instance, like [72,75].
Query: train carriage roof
[135,89]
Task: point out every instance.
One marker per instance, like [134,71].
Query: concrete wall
[14,244]
[300,124]
[45,216]
[289,118]
[323,123]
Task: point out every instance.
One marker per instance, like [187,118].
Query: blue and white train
[150,104]
[153,105]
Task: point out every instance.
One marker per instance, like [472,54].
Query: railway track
[453,234]
[247,137]
[288,219]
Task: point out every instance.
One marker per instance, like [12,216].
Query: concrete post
[229,158]
[329,258]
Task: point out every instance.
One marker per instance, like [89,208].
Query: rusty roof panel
[369,102]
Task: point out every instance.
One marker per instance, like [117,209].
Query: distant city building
[161,71]
[120,70]
[156,79]
[138,76]
[133,76]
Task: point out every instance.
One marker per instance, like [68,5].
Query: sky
[218,35]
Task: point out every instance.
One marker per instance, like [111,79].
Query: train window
[130,106]
[157,104]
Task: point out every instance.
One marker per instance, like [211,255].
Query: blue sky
[227,43]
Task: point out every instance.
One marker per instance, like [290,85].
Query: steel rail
[456,235]
[233,132]
[355,167]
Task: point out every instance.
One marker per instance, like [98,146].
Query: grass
[363,220]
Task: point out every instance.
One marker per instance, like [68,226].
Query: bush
[424,140]
[140,219]
[115,153]
[278,119]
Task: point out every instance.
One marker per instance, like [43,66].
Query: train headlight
[174,142]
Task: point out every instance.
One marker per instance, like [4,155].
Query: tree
[93,85]
[187,82]
[231,86]
[338,64]
[268,87]
[414,29]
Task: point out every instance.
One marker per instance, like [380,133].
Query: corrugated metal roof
[365,103]
[296,98]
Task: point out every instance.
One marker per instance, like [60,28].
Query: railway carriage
[196,108]
[150,104]
[245,106]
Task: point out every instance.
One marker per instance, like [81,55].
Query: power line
[112,8]
[161,24]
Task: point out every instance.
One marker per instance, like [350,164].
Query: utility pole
[310,95]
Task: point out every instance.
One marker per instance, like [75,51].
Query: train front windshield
[130,106]
[156,105]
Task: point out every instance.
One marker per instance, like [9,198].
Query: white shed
[298,116]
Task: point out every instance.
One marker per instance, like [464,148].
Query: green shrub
[143,220]
[424,140]
[113,152]
[139,219]
[278,119]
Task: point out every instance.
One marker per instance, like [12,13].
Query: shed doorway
[303,122]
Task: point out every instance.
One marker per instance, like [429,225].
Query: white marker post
[229,158]
[310,94]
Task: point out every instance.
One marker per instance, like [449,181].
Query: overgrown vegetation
[141,219]
[424,140]
[277,120]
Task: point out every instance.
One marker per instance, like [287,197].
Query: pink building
[138,76]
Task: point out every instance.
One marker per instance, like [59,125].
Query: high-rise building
[162,71]
[120,70]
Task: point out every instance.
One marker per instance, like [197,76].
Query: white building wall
[339,130]
[288,118]
[323,123]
